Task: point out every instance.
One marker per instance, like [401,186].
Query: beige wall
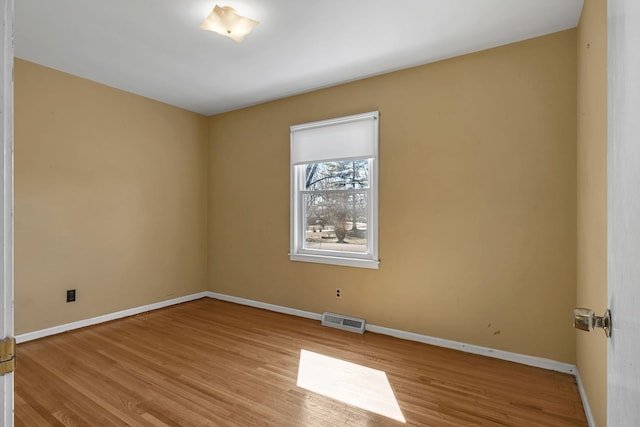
[477,200]
[110,199]
[592,199]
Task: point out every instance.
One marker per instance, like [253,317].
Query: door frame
[6,202]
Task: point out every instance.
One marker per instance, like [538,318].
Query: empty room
[302,213]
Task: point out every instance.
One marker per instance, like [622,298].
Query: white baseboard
[538,362]
[469,348]
[264,305]
[106,317]
[585,401]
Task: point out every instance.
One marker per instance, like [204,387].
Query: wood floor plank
[213,363]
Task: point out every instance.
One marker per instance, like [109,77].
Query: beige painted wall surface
[110,199]
[477,200]
[592,199]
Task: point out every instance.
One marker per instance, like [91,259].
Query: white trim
[538,362]
[29,336]
[335,260]
[523,359]
[265,306]
[585,401]
[6,202]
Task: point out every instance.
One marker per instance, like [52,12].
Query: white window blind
[351,137]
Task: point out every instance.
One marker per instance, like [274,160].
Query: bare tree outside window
[335,200]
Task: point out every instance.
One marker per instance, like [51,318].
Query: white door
[6,201]
[623,407]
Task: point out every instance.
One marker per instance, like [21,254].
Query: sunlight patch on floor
[354,384]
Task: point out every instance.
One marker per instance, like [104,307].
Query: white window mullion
[373,207]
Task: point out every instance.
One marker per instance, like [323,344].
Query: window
[334,191]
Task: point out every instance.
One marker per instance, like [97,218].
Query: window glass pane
[340,175]
[336,221]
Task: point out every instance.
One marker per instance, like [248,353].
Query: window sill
[342,261]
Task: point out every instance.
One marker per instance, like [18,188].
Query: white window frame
[298,252]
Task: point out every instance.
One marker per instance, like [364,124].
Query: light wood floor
[212,363]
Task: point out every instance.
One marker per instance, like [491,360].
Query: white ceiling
[155,48]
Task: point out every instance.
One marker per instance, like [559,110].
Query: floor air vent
[347,323]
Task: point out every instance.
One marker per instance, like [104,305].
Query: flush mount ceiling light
[225,20]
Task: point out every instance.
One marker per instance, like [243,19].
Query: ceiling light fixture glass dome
[226,21]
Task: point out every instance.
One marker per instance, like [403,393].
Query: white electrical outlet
[338,293]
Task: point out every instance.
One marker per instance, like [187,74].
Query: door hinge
[7,355]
